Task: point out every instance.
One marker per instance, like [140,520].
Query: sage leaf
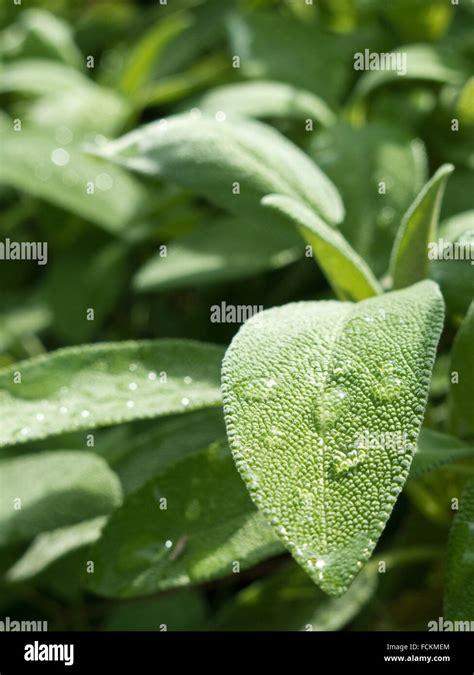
[462,366]
[423,62]
[345,270]
[49,547]
[48,490]
[436,449]
[410,262]
[33,162]
[227,249]
[189,524]
[105,384]
[391,170]
[234,164]
[459,591]
[264,98]
[306,387]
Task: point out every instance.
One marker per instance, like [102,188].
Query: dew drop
[60,157]
[133,386]
[85,413]
[185,401]
[40,417]
[152,376]
[188,380]
[130,404]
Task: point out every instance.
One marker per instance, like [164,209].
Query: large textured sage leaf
[289,600]
[264,98]
[462,363]
[234,163]
[345,270]
[47,490]
[391,170]
[230,248]
[32,161]
[110,383]
[323,404]
[410,262]
[459,592]
[191,523]
[436,449]
[48,547]
[40,76]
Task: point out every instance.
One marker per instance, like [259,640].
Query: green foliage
[182,157]
[99,385]
[47,490]
[301,386]
[418,228]
[459,596]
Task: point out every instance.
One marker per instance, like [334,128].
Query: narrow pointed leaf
[409,262]
[189,524]
[462,364]
[304,385]
[100,385]
[234,164]
[47,490]
[345,270]
[459,592]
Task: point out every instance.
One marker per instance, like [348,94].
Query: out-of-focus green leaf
[436,449]
[49,547]
[459,591]
[41,34]
[266,99]
[74,115]
[279,48]
[423,62]
[140,62]
[345,270]
[73,288]
[378,170]
[169,440]
[289,600]
[418,19]
[192,523]
[456,276]
[40,76]
[34,162]
[409,260]
[462,363]
[230,248]
[28,319]
[105,384]
[234,163]
[48,490]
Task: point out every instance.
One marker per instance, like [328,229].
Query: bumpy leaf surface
[311,392]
